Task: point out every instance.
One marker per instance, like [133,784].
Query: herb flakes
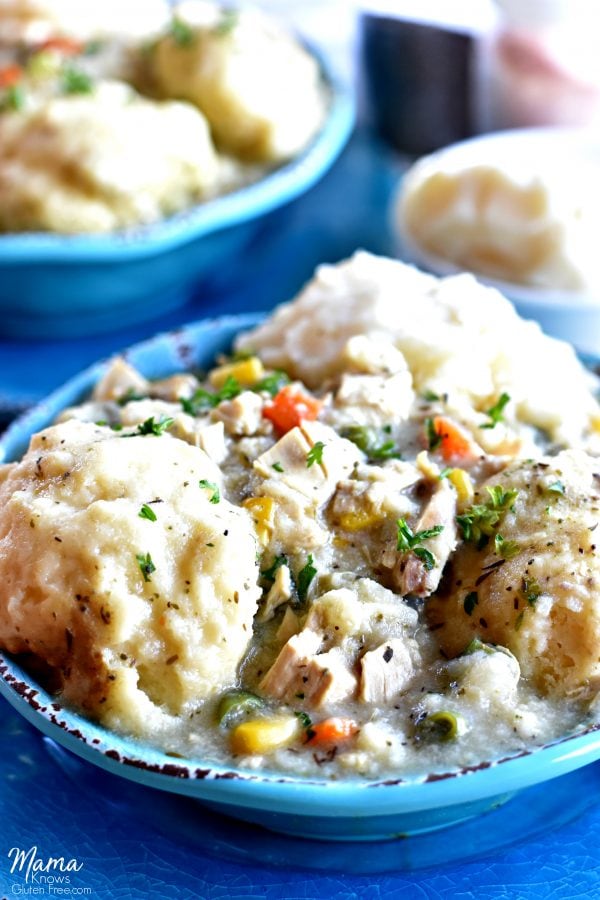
[146,512]
[496,412]
[470,602]
[408,541]
[146,565]
[315,454]
[211,486]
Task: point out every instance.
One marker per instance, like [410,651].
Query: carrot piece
[331,731]
[455,442]
[10,75]
[290,407]
[66,45]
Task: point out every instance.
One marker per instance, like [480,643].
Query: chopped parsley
[315,454]
[181,32]
[304,719]
[476,645]
[431,396]
[505,549]
[146,512]
[531,591]
[130,395]
[203,400]
[277,466]
[229,19]
[557,487]
[13,99]
[152,427]
[211,486]
[272,383]
[479,521]
[408,541]
[433,438]
[496,412]
[305,576]
[371,441]
[470,602]
[146,565]
[74,81]
[269,574]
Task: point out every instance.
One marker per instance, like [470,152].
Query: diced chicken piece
[109,413]
[301,672]
[211,439]
[288,463]
[373,356]
[373,400]
[339,457]
[242,415]
[137,411]
[410,572]
[120,379]
[172,389]
[280,592]
[295,522]
[385,672]
[290,624]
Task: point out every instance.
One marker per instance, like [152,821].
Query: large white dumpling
[541,598]
[101,161]
[140,619]
[259,89]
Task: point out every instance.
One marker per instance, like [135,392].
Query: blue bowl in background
[62,286]
[354,809]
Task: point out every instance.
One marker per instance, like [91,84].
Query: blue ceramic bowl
[343,810]
[69,286]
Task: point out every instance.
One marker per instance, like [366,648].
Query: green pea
[234,702]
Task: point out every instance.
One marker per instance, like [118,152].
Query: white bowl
[571,315]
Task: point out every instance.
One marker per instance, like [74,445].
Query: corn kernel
[262,510]
[428,467]
[264,735]
[358,519]
[595,423]
[463,484]
[247,372]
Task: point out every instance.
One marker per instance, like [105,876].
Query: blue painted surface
[134,845]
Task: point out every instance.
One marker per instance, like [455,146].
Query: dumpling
[124,569]
[259,89]
[100,161]
[535,587]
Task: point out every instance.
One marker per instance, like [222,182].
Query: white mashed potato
[140,617]
[531,221]
[90,162]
